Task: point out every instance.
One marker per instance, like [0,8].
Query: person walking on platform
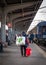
[1,46]
[23,47]
[31,37]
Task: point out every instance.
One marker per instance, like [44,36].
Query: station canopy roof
[21,12]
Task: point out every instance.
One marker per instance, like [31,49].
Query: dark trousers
[23,50]
[1,47]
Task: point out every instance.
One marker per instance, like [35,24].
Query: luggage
[28,51]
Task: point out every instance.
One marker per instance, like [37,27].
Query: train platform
[12,56]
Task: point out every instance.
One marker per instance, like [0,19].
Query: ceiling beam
[14,16]
[4,1]
[23,26]
[0,10]
[23,22]
[13,7]
[23,19]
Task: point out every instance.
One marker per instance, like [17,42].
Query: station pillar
[3,31]
[10,29]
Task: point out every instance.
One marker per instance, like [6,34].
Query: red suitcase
[28,51]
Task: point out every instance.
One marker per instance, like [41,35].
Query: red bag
[28,51]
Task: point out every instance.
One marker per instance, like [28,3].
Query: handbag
[20,40]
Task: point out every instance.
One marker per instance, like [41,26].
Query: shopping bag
[28,51]
[20,40]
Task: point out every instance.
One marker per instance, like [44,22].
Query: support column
[10,29]
[13,30]
[3,31]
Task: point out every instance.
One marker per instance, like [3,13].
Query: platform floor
[12,56]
